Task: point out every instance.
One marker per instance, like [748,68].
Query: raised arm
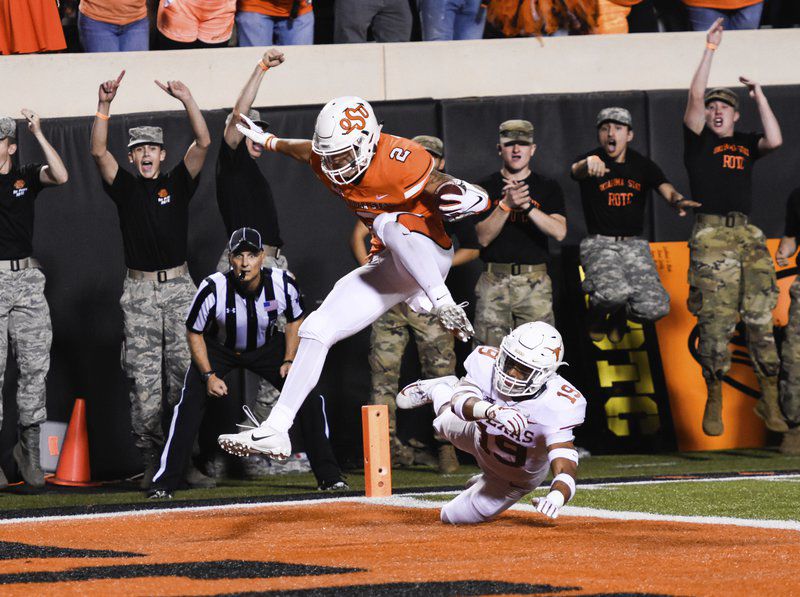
[54,173]
[106,162]
[244,102]
[772,138]
[299,149]
[196,154]
[694,117]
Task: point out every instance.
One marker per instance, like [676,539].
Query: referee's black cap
[245,239]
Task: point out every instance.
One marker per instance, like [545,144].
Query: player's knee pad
[319,327]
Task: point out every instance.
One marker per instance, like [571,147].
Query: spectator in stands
[434,344]
[527,210]
[115,26]
[30,26]
[153,209]
[735,14]
[731,274]
[444,20]
[621,277]
[386,21]
[275,22]
[790,352]
[187,24]
[24,314]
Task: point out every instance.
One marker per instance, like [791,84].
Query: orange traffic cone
[73,464]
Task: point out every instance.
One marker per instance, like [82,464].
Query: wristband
[207,375]
[566,480]
[102,116]
[287,361]
[711,46]
[503,206]
[529,209]
[264,66]
[481,409]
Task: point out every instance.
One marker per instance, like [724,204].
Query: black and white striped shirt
[240,322]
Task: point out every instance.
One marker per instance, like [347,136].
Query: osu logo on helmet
[354,119]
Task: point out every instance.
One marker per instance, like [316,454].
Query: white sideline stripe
[412,500]
[791,525]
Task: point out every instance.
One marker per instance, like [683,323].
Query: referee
[231,324]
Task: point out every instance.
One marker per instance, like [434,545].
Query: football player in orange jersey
[390,183]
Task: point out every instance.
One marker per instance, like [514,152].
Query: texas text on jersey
[393,182]
[552,415]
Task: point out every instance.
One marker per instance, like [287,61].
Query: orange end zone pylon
[73,464]
[377,457]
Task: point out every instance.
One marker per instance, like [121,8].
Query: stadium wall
[66,84]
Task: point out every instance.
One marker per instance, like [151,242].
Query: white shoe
[454,320]
[262,439]
[416,394]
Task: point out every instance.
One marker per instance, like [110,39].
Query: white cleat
[414,395]
[454,320]
[418,393]
[261,439]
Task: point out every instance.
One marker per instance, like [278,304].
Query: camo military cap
[150,135]
[433,144]
[615,114]
[516,130]
[8,128]
[722,94]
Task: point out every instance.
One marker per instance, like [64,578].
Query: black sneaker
[159,494]
[337,485]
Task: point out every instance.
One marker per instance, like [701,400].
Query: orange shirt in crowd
[116,12]
[274,8]
[721,4]
[210,21]
[30,26]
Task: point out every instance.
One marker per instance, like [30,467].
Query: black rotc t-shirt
[720,170]
[793,214]
[18,191]
[153,216]
[244,195]
[520,240]
[614,204]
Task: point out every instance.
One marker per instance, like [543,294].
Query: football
[449,188]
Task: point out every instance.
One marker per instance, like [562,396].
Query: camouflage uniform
[790,357]
[267,394]
[622,273]
[155,332]
[505,301]
[731,275]
[25,318]
[388,343]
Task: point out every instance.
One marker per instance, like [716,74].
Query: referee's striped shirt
[240,322]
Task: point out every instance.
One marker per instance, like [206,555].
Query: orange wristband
[101,116]
[264,66]
[503,206]
[711,46]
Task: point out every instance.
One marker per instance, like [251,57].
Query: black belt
[730,219]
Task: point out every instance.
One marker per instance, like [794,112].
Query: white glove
[550,504]
[253,132]
[510,418]
[457,206]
